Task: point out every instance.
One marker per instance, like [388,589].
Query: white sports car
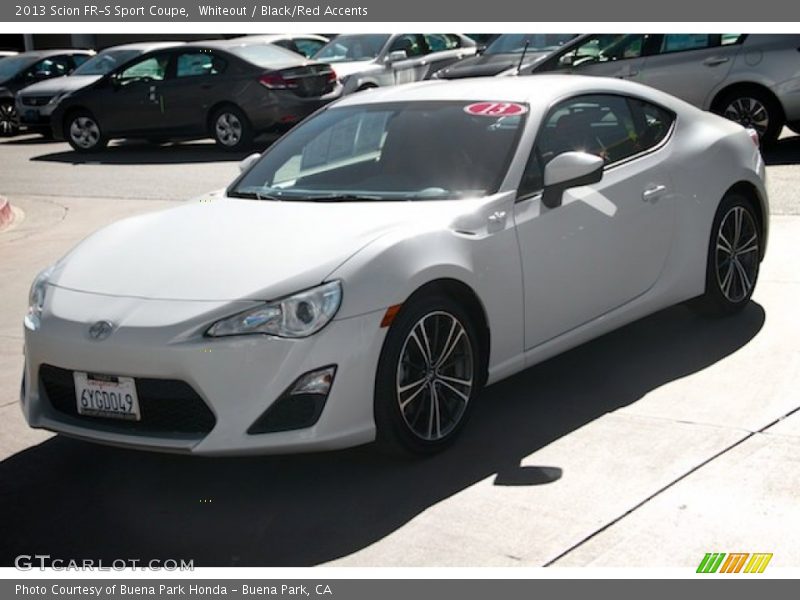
[386,259]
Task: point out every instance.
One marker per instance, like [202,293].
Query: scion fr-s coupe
[385,260]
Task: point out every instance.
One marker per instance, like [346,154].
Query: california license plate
[106,396]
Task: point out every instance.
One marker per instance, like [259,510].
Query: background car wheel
[734,255]
[427,379]
[84,133]
[9,120]
[755,109]
[367,86]
[231,129]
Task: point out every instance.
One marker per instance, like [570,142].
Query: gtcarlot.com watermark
[29,562]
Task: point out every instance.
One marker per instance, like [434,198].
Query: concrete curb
[6,214]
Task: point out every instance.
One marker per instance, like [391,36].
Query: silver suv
[752,79]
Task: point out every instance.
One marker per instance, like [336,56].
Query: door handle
[715,60]
[653,192]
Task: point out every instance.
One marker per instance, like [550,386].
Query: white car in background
[370,60]
[386,259]
[753,79]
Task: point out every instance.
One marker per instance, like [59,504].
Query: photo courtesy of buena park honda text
[362,299]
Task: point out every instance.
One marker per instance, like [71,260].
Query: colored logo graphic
[737,562]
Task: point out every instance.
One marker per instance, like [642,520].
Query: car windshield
[352,47]
[514,43]
[105,62]
[432,150]
[12,65]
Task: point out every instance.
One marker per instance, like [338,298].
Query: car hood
[221,249]
[60,84]
[486,65]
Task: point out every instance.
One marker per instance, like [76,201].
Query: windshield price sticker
[496,109]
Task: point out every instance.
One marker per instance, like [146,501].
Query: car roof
[143,46]
[38,54]
[275,37]
[535,90]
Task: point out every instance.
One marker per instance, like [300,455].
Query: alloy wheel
[737,254]
[435,376]
[229,129]
[748,112]
[9,119]
[85,132]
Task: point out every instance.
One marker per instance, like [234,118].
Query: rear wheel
[230,128]
[84,133]
[427,377]
[734,255]
[755,109]
[9,119]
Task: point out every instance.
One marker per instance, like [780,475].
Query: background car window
[152,68]
[55,66]
[600,125]
[728,39]
[79,59]
[196,64]
[604,48]
[352,47]
[439,42]
[514,43]
[413,44]
[308,47]
[680,42]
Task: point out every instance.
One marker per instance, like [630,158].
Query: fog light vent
[300,406]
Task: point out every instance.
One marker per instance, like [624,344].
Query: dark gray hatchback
[229,91]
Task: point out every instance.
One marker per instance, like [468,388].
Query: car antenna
[524,52]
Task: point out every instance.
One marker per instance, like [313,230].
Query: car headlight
[58,98]
[36,299]
[296,316]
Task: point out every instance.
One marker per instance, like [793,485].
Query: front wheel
[734,255]
[9,120]
[427,379]
[84,133]
[230,129]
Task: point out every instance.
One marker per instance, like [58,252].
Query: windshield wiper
[253,195]
[347,198]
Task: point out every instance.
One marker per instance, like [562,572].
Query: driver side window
[152,68]
[413,44]
[602,125]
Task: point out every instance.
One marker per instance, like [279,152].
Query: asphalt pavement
[664,440]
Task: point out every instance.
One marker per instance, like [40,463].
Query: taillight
[754,136]
[275,81]
[331,78]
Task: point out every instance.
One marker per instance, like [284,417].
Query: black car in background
[19,71]
[504,52]
[227,90]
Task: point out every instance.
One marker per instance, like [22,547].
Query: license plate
[106,396]
[31,114]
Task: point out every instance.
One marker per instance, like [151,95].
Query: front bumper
[238,378]
[35,117]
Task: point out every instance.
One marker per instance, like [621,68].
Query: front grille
[35,100]
[166,405]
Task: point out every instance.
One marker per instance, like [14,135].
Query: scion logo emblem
[101,330]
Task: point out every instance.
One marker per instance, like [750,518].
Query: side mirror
[569,170]
[249,161]
[396,55]
[566,60]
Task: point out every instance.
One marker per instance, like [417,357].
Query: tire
[367,86]
[435,410]
[231,129]
[9,120]
[83,132]
[733,258]
[754,108]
